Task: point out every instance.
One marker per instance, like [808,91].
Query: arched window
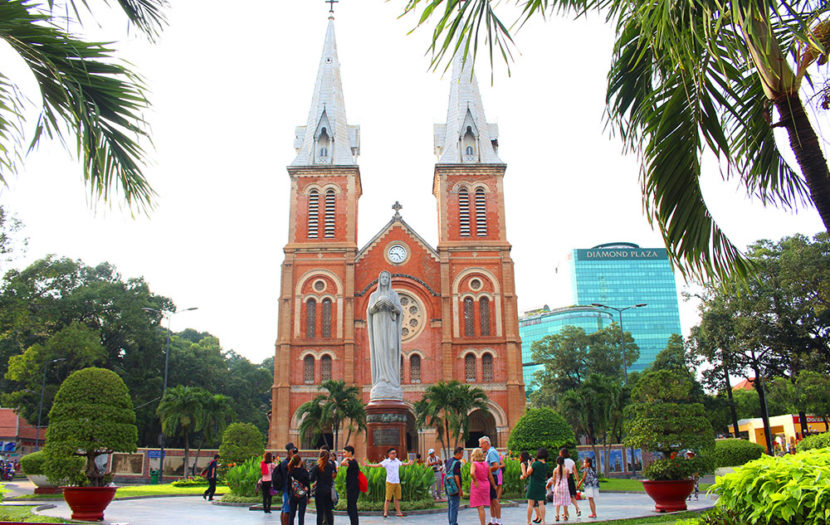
[415,368]
[313,214]
[468,317]
[481,213]
[329,216]
[325,325]
[325,368]
[310,318]
[469,150]
[487,368]
[308,370]
[484,315]
[464,212]
[470,368]
[324,152]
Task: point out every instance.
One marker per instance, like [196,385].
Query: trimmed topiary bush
[240,442]
[664,419]
[32,464]
[541,427]
[814,442]
[734,453]
[791,489]
[92,415]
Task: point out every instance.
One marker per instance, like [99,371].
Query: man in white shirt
[393,480]
[434,462]
[570,471]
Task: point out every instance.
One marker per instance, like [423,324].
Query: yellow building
[784,427]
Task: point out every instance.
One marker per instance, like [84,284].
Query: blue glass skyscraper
[621,275]
[537,324]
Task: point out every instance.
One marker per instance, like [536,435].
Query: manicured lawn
[632,485]
[24,514]
[664,519]
[165,489]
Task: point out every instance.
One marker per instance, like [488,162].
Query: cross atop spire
[331,7]
[466,137]
[397,207]
[327,138]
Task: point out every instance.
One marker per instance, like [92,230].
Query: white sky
[229,86]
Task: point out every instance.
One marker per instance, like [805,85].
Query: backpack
[298,489]
[278,478]
[450,486]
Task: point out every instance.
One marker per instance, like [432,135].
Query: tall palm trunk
[805,145]
[186,451]
[732,411]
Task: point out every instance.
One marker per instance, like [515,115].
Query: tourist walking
[525,462]
[452,485]
[352,483]
[266,467]
[322,474]
[494,462]
[570,470]
[210,474]
[299,483]
[434,462]
[589,484]
[559,484]
[393,480]
[481,483]
[285,511]
[535,473]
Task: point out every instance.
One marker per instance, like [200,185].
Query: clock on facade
[396,253]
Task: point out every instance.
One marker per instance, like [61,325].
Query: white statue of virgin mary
[383,318]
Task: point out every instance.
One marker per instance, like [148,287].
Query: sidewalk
[195,510]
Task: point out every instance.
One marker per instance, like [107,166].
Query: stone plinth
[385,429]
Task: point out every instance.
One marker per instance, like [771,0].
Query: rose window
[413,316]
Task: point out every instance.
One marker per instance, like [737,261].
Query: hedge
[734,453]
[240,442]
[814,442]
[541,427]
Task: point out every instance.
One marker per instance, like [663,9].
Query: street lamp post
[168,315]
[625,368]
[622,334]
[40,407]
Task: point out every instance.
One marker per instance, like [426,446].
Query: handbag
[362,482]
[298,489]
[258,488]
[335,497]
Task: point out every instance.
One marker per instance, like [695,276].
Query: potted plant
[664,418]
[92,415]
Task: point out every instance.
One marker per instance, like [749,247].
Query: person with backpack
[323,474]
[352,483]
[452,485]
[299,489]
[281,483]
[211,473]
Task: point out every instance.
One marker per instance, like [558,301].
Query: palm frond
[11,128]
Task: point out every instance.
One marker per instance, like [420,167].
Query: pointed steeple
[467,137]
[327,138]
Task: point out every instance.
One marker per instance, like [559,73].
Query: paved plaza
[182,510]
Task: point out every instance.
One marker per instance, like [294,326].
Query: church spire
[467,137]
[327,138]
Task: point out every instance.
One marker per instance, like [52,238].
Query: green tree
[813,393]
[241,442]
[182,411]
[10,242]
[92,415]
[216,414]
[445,407]
[540,427]
[688,79]
[313,421]
[341,404]
[84,91]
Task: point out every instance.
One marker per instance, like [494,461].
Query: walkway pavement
[182,510]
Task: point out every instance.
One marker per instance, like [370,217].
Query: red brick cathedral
[459,299]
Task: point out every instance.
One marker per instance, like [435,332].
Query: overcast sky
[228,86]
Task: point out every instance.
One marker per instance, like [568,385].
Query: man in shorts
[492,458]
[285,511]
[570,471]
[393,480]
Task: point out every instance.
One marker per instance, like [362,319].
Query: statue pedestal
[385,429]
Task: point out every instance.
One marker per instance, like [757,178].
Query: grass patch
[165,489]
[233,498]
[632,485]
[23,513]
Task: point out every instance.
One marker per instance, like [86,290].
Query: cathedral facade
[460,313]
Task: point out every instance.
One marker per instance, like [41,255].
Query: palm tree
[217,413]
[182,411]
[445,407]
[342,403]
[355,413]
[313,420]
[84,92]
[688,78]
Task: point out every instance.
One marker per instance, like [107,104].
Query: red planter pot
[88,503]
[669,496]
